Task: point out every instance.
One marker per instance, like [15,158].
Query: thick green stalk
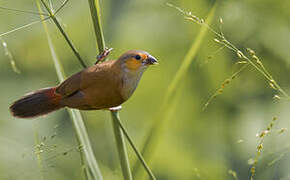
[121,146]
[139,155]
[85,144]
[95,13]
[79,126]
[122,150]
[96,18]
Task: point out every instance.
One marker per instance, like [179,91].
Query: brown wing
[96,87]
[70,85]
[81,79]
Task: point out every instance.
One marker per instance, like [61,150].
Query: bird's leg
[113,109]
[101,57]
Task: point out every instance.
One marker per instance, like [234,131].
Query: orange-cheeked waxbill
[101,86]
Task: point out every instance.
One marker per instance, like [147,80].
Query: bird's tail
[37,103]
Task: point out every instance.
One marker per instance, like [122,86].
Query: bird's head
[135,61]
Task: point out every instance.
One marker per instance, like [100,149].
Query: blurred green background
[194,144]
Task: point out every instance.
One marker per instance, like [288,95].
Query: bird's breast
[129,84]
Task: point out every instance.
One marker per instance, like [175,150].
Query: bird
[99,87]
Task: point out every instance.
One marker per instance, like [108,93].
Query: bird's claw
[101,57]
[114,109]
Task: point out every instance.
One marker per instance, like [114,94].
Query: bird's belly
[102,99]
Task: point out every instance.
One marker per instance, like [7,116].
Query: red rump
[51,93]
[37,103]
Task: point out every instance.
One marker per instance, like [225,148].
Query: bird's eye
[138,57]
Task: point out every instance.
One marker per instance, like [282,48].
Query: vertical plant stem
[120,142]
[122,150]
[95,13]
[84,168]
[139,155]
[85,145]
[96,18]
[79,126]
[69,42]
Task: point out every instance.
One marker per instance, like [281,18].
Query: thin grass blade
[22,27]
[23,11]
[155,133]
[10,56]
[226,82]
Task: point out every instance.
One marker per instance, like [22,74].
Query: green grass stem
[154,134]
[10,56]
[120,143]
[221,39]
[139,155]
[226,82]
[22,27]
[23,11]
[95,13]
[79,126]
[121,147]
[96,19]
[155,130]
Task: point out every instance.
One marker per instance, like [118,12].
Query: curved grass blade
[154,134]
[224,84]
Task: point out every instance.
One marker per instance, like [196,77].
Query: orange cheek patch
[133,64]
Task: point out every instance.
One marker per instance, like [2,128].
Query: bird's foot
[114,109]
[103,55]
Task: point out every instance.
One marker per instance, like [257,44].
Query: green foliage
[84,144]
[216,143]
[168,103]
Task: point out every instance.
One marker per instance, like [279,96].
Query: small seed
[272,85]
[260,147]
[251,161]
[216,40]
[276,97]
[240,54]
[253,170]
[282,130]
[240,141]
[251,51]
